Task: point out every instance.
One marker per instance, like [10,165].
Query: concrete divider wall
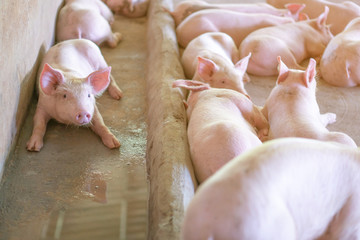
[26,32]
[171,175]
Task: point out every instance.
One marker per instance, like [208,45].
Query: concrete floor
[75,187]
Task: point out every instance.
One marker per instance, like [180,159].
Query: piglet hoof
[331,117]
[114,39]
[117,36]
[34,144]
[263,135]
[115,92]
[328,118]
[111,141]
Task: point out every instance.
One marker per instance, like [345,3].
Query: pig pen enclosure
[76,188]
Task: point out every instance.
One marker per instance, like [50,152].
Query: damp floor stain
[75,187]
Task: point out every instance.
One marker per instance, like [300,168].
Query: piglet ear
[310,72]
[191,85]
[283,71]
[206,68]
[242,64]
[303,17]
[295,9]
[50,78]
[321,20]
[99,80]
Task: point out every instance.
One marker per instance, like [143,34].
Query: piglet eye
[88,95]
[64,96]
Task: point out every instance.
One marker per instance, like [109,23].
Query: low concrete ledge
[171,176]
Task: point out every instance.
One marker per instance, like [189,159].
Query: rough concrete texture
[171,176]
[26,32]
[75,187]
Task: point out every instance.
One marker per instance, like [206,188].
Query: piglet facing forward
[89,19]
[185,8]
[213,58]
[237,25]
[292,109]
[222,124]
[294,42]
[285,189]
[340,62]
[72,73]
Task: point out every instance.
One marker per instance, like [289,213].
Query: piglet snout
[83,118]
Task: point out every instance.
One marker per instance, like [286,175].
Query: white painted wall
[26,33]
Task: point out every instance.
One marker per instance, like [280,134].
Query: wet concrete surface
[75,187]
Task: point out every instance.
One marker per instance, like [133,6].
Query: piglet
[292,109]
[285,189]
[213,58]
[236,25]
[341,12]
[223,123]
[340,62]
[294,42]
[185,8]
[72,74]
[89,19]
[129,8]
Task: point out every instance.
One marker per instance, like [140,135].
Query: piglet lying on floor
[340,62]
[237,25]
[292,109]
[341,12]
[187,7]
[223,123]
[214,58]
[294,42]
[72,74]
[285,189]
[89,19]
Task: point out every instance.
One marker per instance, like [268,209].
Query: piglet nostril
[83,117]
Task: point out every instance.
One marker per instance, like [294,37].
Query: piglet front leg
[35,142]
[261,123]
[114,90]
[100,129]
